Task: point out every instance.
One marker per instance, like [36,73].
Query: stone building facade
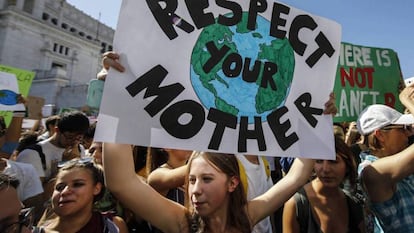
[60,43]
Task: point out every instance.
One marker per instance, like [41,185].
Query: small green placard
[24,80]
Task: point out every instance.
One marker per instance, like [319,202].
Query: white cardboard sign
[246,77]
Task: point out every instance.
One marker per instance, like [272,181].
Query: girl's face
[208,188]
[74,192]
[331,172]
[96,151]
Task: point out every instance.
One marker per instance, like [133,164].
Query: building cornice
[23,21]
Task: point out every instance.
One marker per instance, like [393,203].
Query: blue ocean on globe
[236,91]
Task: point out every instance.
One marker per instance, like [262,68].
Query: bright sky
[373,23]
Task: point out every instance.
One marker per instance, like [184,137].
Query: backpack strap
[39,150]
[356,214]
[109,225]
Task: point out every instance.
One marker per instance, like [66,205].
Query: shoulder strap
[243,177]
[356,214]
[302,209]
[39,150]
[109,225]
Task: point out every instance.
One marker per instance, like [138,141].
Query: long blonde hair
[237,218]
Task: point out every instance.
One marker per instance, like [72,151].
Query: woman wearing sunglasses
[13,219]
[79,184]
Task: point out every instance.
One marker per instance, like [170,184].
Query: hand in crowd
[109,59]
[407,97]
[21,99]
[330,107]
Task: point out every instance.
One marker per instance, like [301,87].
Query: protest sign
[9,93]
[366,76]
[94,96]
[29,124]
[34,107]
[233,77]
[24,82]
[63,110]
[47,110]
[24,78]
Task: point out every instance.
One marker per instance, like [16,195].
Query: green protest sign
[365,76]
[24,80]
[94,95]
[63,110]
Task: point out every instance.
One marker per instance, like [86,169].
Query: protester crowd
[60,180]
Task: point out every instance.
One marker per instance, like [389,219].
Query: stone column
[38,8]
[19,4]
[2,2]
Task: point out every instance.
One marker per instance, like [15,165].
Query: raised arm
[164,179]
[14,130]
[381,176]
[109,59]
[266,204]
[290,223]
[139,197]
[297,176]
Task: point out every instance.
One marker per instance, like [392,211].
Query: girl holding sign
[215,199]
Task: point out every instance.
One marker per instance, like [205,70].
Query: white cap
[378,115]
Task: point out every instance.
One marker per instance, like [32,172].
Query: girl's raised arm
[136,195]
[266,204]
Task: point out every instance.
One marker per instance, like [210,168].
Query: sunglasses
[26,218]
[404,127]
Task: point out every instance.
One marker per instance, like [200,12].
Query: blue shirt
[396,214]
[9,147]
[371,221]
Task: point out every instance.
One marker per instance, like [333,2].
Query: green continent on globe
[257,35]
[263,48]
[221,36]
[281,53]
